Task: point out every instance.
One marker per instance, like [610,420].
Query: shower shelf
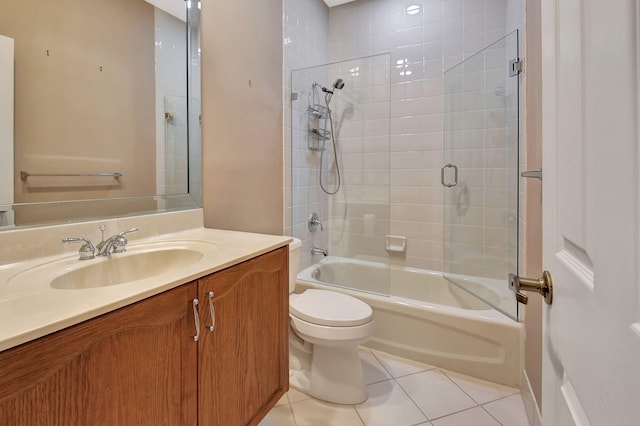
[321,134]
[318,117]
[317,138]
[318,111]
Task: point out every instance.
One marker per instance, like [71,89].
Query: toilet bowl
[326,329]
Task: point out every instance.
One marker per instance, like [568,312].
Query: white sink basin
[171,259]
[120,269]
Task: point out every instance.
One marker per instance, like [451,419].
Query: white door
[591,225]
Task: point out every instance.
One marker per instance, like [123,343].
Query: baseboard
[530,405]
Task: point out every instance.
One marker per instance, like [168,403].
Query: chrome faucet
[318,250]
[114,244]
[87,250]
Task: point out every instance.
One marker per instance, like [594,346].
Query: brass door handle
[542,286]
[536,174]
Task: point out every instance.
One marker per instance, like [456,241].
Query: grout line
[381,363]
[358,414]
[473,399]
[504,397]
[455,412]
[293,416]
[412,400]
[459,411]
[378,381]
[429,420]
[423,423]
[489,413]
[459,387]
[416,373]
[404,375]
[302,400]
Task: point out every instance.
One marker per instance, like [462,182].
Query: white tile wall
[171,83]
[440,35]
[195,111]
[174,145]
[356,218]
[421,47]
[306,43]
[480,101]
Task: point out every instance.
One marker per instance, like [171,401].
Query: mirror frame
[82,210]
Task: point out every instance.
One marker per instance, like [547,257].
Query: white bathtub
[426,318]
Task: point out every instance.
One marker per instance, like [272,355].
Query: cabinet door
[243,363]
[133,366]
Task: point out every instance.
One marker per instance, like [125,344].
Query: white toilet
[326,329]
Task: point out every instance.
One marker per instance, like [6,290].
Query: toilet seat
[332,336]
[329,308]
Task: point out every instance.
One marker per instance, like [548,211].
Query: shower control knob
[314,222]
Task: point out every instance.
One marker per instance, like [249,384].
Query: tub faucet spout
[318,250]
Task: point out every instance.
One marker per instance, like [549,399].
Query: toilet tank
[294,261]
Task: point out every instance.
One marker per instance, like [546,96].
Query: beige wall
[85,96]
[242,145]
[533,322]
[55,213]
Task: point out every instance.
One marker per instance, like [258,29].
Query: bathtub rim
[418,307]
[489,314]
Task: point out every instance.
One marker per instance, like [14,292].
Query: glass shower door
[480,174]
[340,170]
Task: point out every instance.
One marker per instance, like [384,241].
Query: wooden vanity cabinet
[139,365]
[243,363]
[132,366]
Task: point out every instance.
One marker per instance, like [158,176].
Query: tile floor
[403,393]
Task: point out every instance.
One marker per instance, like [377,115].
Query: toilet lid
[331,308]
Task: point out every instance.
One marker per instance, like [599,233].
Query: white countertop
[31,308]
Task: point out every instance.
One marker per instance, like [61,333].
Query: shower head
[338,84]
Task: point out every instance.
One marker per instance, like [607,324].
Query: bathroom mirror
[105,117]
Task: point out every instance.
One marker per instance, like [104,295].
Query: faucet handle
[128,231]
[314,222]
[121,241]
[87,250]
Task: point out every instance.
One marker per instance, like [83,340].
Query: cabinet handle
[212,312]
[196,319]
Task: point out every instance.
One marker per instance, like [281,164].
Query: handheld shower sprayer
[338,84]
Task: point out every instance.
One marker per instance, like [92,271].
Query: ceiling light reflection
[414,9]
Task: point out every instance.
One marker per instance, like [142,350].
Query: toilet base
[332,374]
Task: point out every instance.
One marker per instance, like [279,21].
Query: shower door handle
[455,174]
